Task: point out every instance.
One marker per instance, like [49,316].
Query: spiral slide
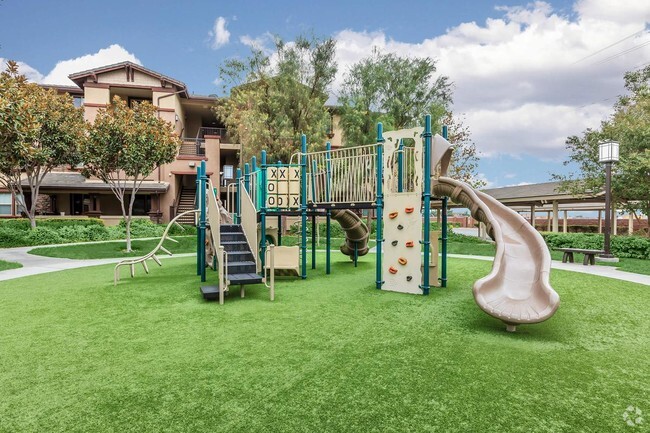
[517,291]
[356,232]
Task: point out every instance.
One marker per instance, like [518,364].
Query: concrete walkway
[33,265]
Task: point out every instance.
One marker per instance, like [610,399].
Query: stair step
[240,256]
[231,228]
[244,267]
[246,278]
[211,293]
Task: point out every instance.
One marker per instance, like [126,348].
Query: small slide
[517,291]
[356,231]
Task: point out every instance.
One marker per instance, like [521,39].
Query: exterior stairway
[241,262]
[186,202]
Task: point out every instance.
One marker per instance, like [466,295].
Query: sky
[526,74]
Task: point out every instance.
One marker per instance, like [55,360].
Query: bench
[590,255]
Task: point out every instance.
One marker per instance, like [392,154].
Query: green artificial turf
[331,354]
[4,265]
[106,250]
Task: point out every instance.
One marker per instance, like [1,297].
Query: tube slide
[356,232]
[517,291]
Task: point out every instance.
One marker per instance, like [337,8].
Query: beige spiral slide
[517,291]
[356,232]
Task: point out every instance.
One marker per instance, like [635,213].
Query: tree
[464,161]
[397,91]
[39,130]
[124,146]
[276,97]
[630,126]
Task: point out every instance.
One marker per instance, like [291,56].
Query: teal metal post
[313,218]
[254,164]
[328,218]
[303,203]
[198,206]
[400,167]
[247,178]
[443,264]
[279,230]
[238,199]
[426,195]
[263,210]
[380,201]
[202,221]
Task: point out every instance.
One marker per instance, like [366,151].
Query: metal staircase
[186,202]
[240,263]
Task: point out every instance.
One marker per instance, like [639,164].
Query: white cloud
[23,68]
[262,42]
[106,56]
[528,79]
[488,183]
[219,35]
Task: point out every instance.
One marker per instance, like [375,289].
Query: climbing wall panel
[402,234]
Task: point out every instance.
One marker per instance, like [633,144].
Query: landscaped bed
[4,265]
[330,354]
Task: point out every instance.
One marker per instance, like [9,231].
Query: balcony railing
[207,130]
[196,146]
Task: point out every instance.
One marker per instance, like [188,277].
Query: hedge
[17,232]
[635,247]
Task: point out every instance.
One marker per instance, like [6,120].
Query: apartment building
[171,188]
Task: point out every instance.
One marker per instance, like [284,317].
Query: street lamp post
[608,154]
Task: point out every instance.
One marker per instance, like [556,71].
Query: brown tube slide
[356,232]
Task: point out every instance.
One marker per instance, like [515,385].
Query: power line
[622,53]
[611,45]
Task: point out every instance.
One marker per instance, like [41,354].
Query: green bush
[636,247]
[43,236]
[11,237]
[17,232]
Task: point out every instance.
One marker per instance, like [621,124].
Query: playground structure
[398,177]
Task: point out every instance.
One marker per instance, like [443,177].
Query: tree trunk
[127,225]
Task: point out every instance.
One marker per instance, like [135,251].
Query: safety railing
[347,175]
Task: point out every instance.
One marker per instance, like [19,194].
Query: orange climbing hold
[393,215]
[402,261]
[409,210]
[409,244]
[392,270]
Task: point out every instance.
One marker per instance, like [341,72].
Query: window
[78,101]
[228,171]
[5,203]
[133,101]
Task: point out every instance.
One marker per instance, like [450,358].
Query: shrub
[43,236]
[10,237]
[143,228]
[622,246]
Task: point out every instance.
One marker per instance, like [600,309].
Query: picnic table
[590,255]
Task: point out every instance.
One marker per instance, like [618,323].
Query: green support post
[443,264]
[263,209]
[426,195]
[238,199]
[303,204]
[202,221]
[197,202]
[279,230]
[247,178]
[380,201]
[328,218]
[313,241]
